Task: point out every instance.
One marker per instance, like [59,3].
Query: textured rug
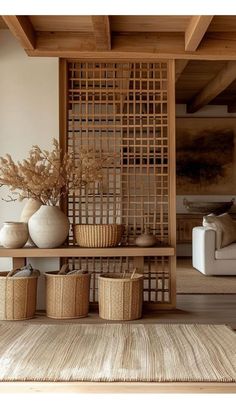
[117,352]
[191,281]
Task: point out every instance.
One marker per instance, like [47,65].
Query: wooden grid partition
[125,111]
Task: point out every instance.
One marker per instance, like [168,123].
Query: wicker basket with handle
[120,298]
[98,235]
[67,296]
[17,297]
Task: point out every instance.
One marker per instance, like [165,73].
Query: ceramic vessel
[48,227]
[145,240]
[13,234]
[31,206]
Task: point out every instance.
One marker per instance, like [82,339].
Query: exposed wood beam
[102,32]
[221,81]
[195,31]
[215,46]
[179,68]
[22,29]
[232,107]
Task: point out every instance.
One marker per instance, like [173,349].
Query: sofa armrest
[203,247]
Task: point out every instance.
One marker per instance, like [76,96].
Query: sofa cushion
[208,222]
[228,252]
[225,228]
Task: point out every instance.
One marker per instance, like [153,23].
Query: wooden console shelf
[73,251]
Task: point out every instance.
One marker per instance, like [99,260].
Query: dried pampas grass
[48,175]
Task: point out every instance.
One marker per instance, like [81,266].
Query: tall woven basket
[120,298]
[67,296]
[17,297]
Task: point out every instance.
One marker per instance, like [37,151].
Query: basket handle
[64,269]
[12,272]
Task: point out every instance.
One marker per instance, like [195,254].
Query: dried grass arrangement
[47,176]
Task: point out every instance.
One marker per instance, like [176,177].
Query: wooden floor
[190,281]
[214,309]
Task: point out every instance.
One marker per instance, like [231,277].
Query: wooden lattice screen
[122,110]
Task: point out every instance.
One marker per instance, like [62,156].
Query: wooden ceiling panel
[227,96]
[3,25]
[222,24]
[222,80]
[149,23]
[195,77]
[62,23]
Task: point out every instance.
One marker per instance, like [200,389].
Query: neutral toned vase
[31,206]
[13,234]
[48,227]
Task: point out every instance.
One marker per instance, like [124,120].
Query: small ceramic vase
[14,235]
[48,227]
[146,239]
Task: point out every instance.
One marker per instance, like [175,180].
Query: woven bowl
[98,235]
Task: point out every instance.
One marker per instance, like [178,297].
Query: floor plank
[212,309]
[191,281]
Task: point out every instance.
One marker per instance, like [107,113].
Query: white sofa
[207,259]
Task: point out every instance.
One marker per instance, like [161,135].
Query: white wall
[28,116]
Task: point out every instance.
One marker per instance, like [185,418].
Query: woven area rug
[191,281]
[117,352]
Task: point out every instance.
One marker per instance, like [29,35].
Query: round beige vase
[14,235]
[48,227]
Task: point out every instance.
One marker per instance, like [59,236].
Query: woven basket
[98,235]
[17,297]
[120,299]
[67,296]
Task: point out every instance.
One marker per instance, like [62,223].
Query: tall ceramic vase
[31,206]
[48,227]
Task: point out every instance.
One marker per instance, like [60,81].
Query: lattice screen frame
[155,269]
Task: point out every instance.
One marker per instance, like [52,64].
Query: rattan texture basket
[120,298]
[67,296]
[98,235]
[17,297]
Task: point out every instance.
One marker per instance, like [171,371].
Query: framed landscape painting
[206,156]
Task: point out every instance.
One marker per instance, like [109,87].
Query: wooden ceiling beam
[22,29]
[220,82]
[195,31]
[102,32]
[179,68]
[215,46]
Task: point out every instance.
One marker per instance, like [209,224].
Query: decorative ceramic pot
[48,227]
[13,234]
[146,240]
[31,206]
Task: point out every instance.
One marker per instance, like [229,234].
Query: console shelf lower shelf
[75,251]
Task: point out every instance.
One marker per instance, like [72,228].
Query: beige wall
[28,116]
